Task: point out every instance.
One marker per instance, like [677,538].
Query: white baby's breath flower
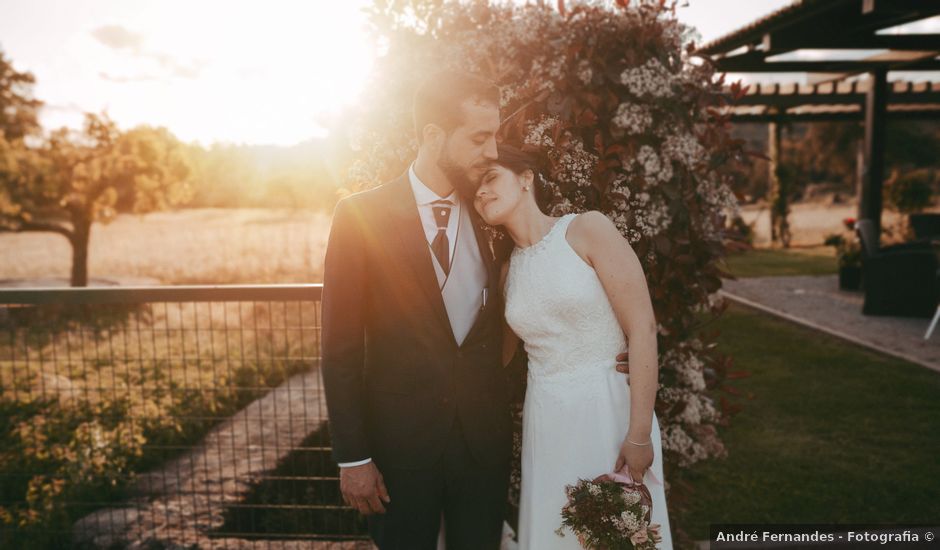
[539,133]
[585,74]
[684,148]
[576,165]
[651,79]
[633,118]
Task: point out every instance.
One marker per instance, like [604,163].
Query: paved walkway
[816,301]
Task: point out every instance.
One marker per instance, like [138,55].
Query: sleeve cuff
[357,463]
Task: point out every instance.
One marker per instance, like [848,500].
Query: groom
[411,334]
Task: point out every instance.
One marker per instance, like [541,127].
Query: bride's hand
[638,458]
[623,364]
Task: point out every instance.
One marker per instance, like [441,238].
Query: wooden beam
[796,100]
[844,22]
[818,79]
[751,65]
[895,6]
[796,27]
[776,44]
[876,106]
[785,18]
[857,116]
[903,60]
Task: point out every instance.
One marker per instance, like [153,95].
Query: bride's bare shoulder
[591,233]
[591,220]
[591,226]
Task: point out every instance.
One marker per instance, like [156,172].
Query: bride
[575,293]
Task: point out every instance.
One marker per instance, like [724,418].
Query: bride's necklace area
[538,244]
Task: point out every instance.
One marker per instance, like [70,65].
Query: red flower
[849,222]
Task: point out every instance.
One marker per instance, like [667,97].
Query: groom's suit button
[459,353]
[445,400]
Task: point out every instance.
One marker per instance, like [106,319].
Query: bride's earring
[525,188]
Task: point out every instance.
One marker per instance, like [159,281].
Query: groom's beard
[458,177]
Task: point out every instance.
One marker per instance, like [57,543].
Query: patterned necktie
[441,244]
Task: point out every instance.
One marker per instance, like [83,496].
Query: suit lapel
[489,262]
[483,243]
[413,244]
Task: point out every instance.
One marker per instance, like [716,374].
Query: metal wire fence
[188,416]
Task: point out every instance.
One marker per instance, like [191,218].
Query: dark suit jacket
[394,375]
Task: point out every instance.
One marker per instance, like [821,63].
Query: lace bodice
[556,304]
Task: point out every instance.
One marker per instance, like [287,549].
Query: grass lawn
[764,262]
[833,433]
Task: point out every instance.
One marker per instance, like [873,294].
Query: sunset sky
[235,71]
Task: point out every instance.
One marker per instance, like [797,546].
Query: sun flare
[241,72]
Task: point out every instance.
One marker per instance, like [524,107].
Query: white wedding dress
[577,406]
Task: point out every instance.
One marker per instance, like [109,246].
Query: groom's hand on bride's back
[364,488]
[623,364]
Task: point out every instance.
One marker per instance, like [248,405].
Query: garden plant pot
[850,277]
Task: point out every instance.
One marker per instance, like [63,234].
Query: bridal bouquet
[612,512]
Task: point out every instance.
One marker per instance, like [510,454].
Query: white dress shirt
[424,196]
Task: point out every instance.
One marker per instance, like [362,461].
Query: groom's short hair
[440,95]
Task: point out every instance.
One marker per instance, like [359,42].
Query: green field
[830,432]
[765,262]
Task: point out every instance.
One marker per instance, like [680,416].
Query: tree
[827,151]
[77,178]
[17,106]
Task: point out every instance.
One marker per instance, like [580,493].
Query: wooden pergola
[843,100]
[837,25]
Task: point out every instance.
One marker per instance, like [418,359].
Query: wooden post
[869,205]
[859,174]
[773,187]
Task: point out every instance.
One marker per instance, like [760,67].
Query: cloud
[118,38]
[122,39]
[191,72]
[176,68]
[127,79]
[70,107]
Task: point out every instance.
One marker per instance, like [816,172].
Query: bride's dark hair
[518,161]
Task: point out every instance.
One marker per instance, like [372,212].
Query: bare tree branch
[37,226]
